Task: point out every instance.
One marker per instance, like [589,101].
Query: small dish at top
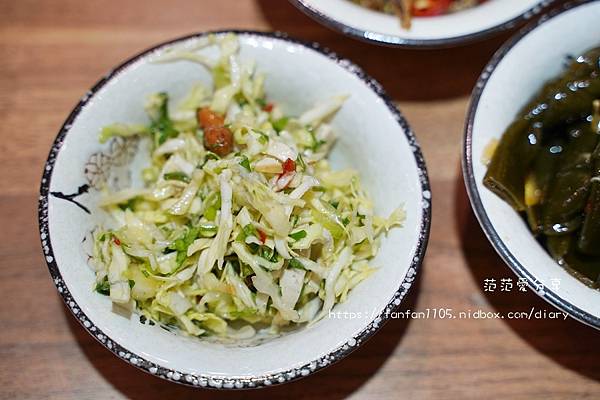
[469,25]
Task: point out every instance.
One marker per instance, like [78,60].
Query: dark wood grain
[52,51]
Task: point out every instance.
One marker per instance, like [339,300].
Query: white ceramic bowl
[453,29]
[373,137]
[516,72]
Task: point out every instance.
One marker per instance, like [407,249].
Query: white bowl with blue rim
[513,76]
[380,146]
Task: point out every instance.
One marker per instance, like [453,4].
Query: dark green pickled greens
[547,166]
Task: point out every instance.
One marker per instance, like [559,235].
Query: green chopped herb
[245,271]
[245,163]
[211,213]
[263,139]
[181,245]
[253,247]
[211,156]
[213,202]
[162,127]
[176,176]
[318,144]
[241,99]
[250,230]
[131,283]
[280,124]
[186,240]
[267,253]
[300,161]
[345,221]
[103,287]
[294,220]
[241,237]
[298,235]
[245,313]
[262,102]
[294,263]
[181,256]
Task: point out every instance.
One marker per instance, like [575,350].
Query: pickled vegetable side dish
[406,9]
[547,167]
[242,227]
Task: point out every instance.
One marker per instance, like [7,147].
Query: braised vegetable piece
[547,166]
[538,181]
[508,168]
[589,240]
[562,101]
[563,207]
[558,246]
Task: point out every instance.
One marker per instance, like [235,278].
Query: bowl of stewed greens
[531,158]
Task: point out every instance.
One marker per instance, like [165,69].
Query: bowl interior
[382,27]
[296,76]
[536,58]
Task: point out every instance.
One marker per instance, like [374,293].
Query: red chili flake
[117,241]
[288,166]
[430,8]
[268,107]
[262,236]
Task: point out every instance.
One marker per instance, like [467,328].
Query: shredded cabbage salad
[241,226]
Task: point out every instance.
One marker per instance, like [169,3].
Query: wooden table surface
[52,51]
